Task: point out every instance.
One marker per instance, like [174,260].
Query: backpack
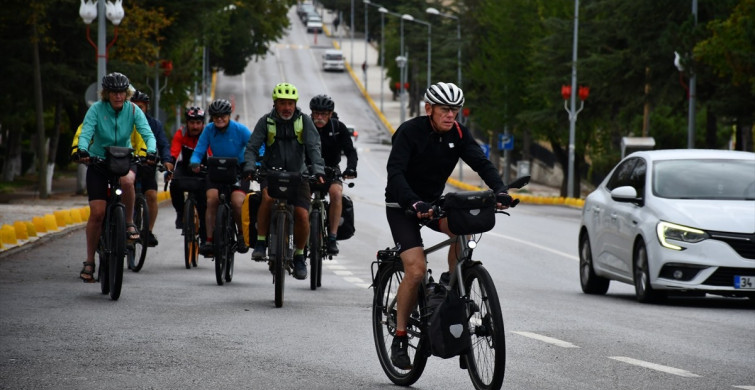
[249,217]
[346,227]
[447,328]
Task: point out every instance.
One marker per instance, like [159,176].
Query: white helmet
[447,94]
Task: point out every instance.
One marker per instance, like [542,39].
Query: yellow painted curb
[50,223]
[62,218]
[39,224]
[8,235]
[75,215]
[30,229]
[21,233]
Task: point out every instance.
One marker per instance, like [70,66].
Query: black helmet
[115,82]
[140,96]
[220,107]
[194,113]
[322,103]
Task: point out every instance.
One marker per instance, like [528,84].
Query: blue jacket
[229,143]
[104,127]
[163,146]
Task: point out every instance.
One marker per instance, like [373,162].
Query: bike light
[119,192]
[670,231]
[472,244]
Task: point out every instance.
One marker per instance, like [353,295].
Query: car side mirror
[627,194]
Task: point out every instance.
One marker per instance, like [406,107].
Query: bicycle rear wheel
[387,280]
[137,250]
[486,361]
[281,253]
[118,247]
[191,233]
[220,242]
[315,249]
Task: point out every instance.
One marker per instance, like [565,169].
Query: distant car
[672,221]
[352,131]
[304,8]
[332,59]
[314,26]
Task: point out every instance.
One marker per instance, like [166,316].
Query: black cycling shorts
[97,181]
[303,195]
[145,176]
[405,228]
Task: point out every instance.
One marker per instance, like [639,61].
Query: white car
[314,26]
[332,59]
[672,221]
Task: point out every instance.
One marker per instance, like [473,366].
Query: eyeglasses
[445,110]
[221,117]
[320,113]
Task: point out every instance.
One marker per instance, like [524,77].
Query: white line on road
[538,246]
[745,387]
[653,366]
[546,339]
[343,273]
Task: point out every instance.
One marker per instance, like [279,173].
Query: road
[175,328]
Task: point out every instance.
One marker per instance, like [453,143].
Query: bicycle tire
[486,361]
[230,249]
[102,271]
[387,280]
[118,240]
[190,233]
[141,220]
[315,248]
[279,268]
[219,243]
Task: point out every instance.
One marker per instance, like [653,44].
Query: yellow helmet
[285,91]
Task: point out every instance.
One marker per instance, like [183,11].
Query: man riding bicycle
[425,151]
[290,138]
[335,139]
[226,138]
[109,122]
[145,174]
[188,136]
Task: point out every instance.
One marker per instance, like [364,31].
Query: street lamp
[401,62]
[572,93]
[89,10]
[433,11]
[366,42]
[429,42]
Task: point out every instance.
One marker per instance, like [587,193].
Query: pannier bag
[222,169]
[447,328]
[346,226]
[470,212]
[188,183]
[283,185]
[118,160]
[249,217]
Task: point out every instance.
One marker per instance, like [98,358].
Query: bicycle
[318,227]
[224,171]
[136,252]
[486,358]
[111,247]
[190,183]
[282,187]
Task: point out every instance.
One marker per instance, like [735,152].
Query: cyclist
[335,139]
[146,173]
[226,138]
[425,151]
[109,122]
[290,138]
[188,136]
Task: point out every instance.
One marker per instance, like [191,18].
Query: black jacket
[421,161]
[335,138]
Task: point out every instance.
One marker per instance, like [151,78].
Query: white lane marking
[546,339]
[354,280]
[538,246]
[328,266]
[745,387]
[653,366]
[343,273]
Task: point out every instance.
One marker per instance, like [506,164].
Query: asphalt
[26,218]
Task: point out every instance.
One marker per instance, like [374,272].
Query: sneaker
[260,250]
[399,354]
[206,249]
[300,267]
[151,240]
[179,223]
[332,247]
[240,244]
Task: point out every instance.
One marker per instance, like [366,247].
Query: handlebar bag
[470,212]
[283,185]
[188,183]
[223,169]
[118,160]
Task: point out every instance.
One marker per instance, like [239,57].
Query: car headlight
[670,231]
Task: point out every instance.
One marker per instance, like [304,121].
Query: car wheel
[591,283]
[642,288]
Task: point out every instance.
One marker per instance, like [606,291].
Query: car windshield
[704,179]
[333,57]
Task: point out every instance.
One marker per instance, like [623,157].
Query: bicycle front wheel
[388,278]
[315,249]
[118,247]
[230,249]
[220,242]
[103,273]
[138,252]
[281,252]
[486,361]
[191,233]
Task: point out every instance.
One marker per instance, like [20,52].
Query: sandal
[132,232]
[87,276]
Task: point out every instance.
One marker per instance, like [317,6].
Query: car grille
[744,244]
[724,276]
